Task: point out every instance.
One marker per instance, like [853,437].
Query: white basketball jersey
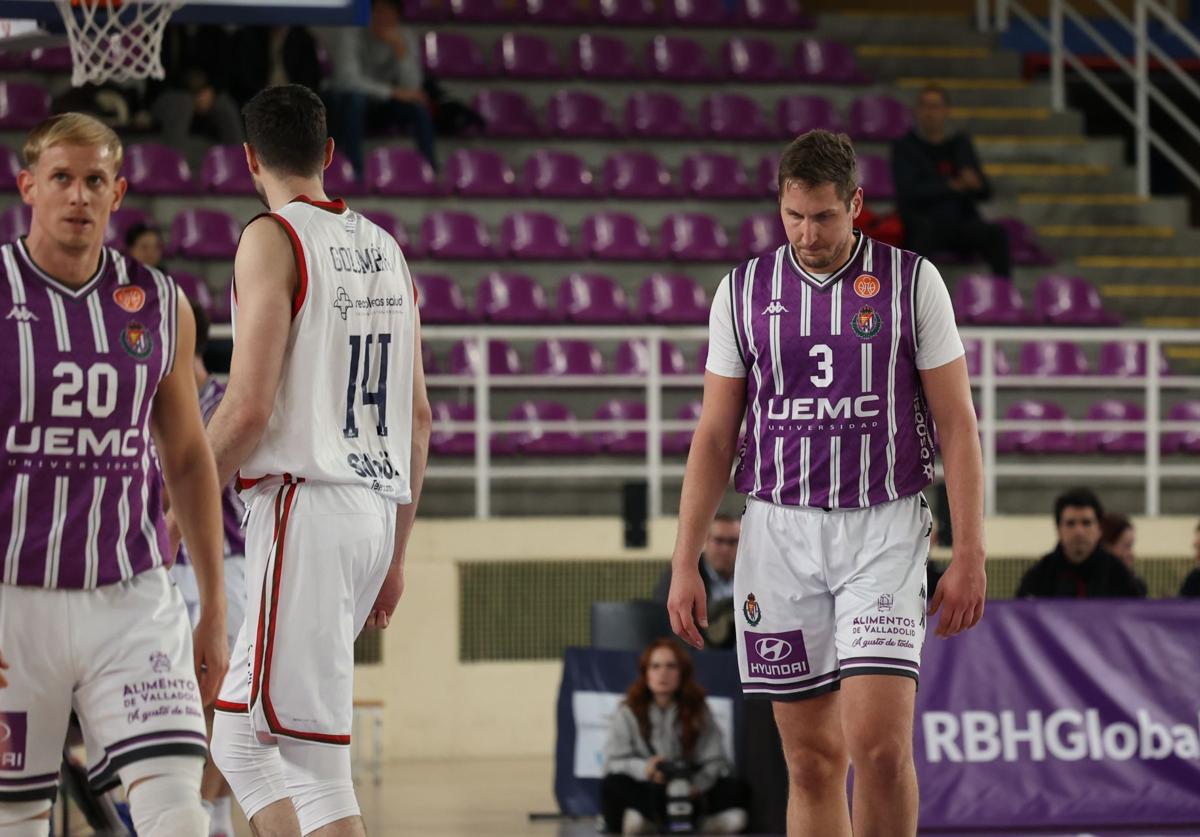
[343,412]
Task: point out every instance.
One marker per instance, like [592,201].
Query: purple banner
[1065,713]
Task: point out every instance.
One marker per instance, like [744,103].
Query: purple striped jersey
[232,508]
[835,414]
[80,503]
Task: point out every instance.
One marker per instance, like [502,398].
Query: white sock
[222,816]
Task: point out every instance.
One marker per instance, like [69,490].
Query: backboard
[312,12]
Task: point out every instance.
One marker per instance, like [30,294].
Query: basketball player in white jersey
[326,422]
[839,352]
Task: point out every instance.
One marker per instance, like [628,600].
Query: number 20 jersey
[343,410]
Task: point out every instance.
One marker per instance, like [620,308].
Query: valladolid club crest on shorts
[136,340]
[752,611]
[866,322]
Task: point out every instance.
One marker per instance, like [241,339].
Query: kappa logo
[773,649]
[776,307]
[866,286]
[866,323]
[130,297]
[343,302]
[21,314]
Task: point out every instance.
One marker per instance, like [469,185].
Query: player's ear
[328,153]
[27,185]
[251,158]
[856,203]
[119,188]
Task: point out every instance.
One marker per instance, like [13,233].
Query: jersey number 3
[361,355]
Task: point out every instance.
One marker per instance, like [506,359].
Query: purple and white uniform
[831,566]
[88,618]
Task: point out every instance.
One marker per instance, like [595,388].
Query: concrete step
[1028,121]
[1118,241]
[1058,208]
[873,28]
[1012,179]
[901,60]
[976,92]
[1049,148]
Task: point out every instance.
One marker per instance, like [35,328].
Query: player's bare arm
[960,593]
[191,480]
[709,461]
[265,277]
[422,424]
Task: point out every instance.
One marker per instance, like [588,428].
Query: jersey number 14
[360,354]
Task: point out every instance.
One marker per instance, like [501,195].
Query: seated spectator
[1079,567]
[1117,536]
[194,99]
[1191,582]
[939,184]
[716,571]
[664,721]
[376,83]
[144,243]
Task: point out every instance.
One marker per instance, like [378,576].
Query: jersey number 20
[362,354]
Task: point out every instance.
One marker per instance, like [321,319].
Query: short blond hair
[72,129]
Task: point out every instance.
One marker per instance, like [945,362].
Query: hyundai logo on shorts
[773,649]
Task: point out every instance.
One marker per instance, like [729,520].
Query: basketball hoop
[116,40]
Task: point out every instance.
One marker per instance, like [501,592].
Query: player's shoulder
[129,271]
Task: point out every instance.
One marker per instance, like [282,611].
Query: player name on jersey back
[343,411]
[80,502]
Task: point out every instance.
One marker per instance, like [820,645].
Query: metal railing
[1052,32]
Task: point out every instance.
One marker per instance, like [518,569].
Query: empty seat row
[1062,358]
[671,58]
[1057,300]
[564,357]
[582,114]
[1068,441]
[766,14]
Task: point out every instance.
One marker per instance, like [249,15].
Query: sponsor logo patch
[776,307]
[160,662]
[885,603]
[780,656]
[131,298]
[136,340]
[21,314]
[866,286]
[866,322]
[13,732]
[343,303]
[752,611]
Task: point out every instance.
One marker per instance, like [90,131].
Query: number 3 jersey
[343,410]
[80,502]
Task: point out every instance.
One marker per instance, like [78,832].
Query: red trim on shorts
[227,706]
[243,482]
[260,635]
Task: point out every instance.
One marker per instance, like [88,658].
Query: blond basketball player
[326,421]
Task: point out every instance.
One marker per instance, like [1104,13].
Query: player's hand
[652,771]
[687,604]
[388,598]
[3,666]
[211,650]
[959,596]
[174,537]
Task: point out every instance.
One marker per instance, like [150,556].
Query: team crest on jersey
[867,322]
[136,340]
[130,297]
[752,611]
[866,286]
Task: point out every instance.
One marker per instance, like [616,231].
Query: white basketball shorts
[184,576]
[824,595]
[316,556]
[120,657]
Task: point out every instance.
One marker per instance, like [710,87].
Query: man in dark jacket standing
[716,571]
[1079,567]
[939,183]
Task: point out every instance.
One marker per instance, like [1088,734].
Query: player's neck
[282,192]
[72,268]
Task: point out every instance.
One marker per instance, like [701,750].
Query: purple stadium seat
[637,174]
[224,171]
[694,237]
[502,358]
[1127,359]
[672,299]
[400,172]
[486,11]
[760,234]
[529,234]
[559,439]
[580,115]
[1023,243]
[480,173]
[988,300]
[22,105]
[633,358]
[751,60]
[119,224]
[629,12]
[732,116]
[799,114]
[441,301]
[875,177]
[826,62]
[617,236]
[429,361]
[1052,359]
[340,178]
[450,234]
[10,166]
[426,11]
[196,290]
[511,298]
[392,226]
[974,355]
[527,57]
[710,175]
[446,442]
[14,61]
[204,234]
[774,14]
[700,13]
[558,12]
[566,357]
[1069,301]
[1114,441]
[507,114]
[557,174]
[15,221]
[50,59]
[620,441]
[767,180]
[594,299]
[878,118]
[657,115]
[221,309]
[677,442]
[450,55]
[155,169]
[674,58]
[603,57]
[1183,441]
[1036,441]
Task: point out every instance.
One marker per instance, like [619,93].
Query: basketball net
[113,40]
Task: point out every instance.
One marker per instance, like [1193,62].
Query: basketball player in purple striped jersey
[100,360]
[840,353]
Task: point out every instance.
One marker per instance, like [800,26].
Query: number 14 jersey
[343,410]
